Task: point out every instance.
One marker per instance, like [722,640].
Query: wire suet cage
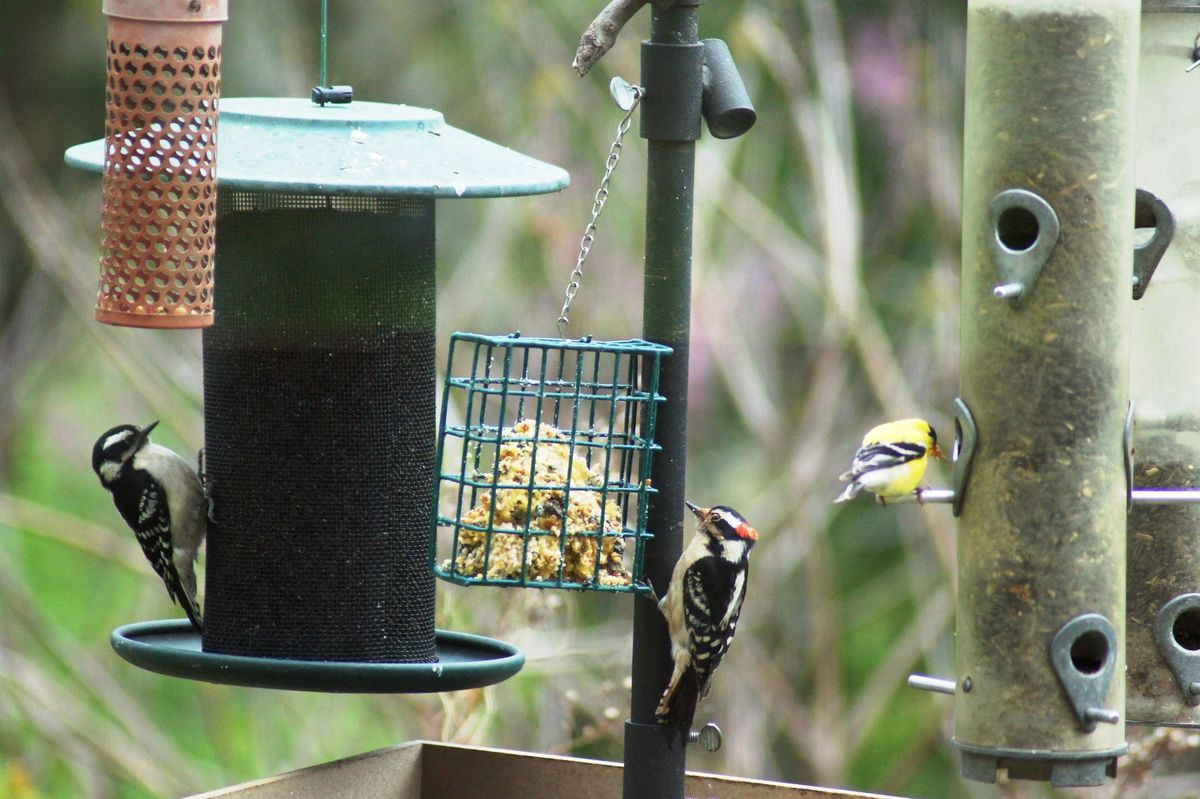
[544,455]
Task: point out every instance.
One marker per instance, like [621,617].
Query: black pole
[672,63]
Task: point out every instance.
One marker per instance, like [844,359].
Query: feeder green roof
[291,145]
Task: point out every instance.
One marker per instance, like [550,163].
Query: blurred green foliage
[824,296]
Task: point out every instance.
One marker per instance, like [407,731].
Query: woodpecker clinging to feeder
[892,460]
[702,605]
[160,497]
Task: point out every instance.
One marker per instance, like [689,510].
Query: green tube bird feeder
[1047,266]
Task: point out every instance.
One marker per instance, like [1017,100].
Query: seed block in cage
[544,460]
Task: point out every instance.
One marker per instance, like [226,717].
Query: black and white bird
[702,606]
[160,497]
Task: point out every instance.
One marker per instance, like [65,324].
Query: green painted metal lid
[379,149]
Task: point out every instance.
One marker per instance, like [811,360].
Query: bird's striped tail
[677,709]
[850,492]
[189,604]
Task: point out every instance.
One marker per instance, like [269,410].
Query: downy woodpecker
[160,497]
[702,606]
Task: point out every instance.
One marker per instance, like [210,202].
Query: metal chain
[589,233]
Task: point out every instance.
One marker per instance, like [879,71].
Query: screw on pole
[708,737]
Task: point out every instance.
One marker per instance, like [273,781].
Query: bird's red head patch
[744,530]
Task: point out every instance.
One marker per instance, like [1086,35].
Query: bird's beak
[937,452]
[696,509]
[145,434]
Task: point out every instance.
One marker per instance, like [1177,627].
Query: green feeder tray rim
[172,647]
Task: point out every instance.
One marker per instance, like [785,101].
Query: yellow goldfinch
[891,460]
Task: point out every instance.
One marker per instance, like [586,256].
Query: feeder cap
[290,145]
[168,10]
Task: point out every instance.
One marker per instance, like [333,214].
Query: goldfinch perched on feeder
[161,499]
[702,605]
[892,460]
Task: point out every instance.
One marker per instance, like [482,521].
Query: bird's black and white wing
[712,603]
[873,457]
[148,513]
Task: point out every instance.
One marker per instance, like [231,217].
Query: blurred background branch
[601,33]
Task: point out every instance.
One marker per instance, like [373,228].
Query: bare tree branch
[601,34]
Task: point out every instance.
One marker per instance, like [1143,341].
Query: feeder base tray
[172,647]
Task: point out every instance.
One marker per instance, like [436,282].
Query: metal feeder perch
[1047,267]
[545,477]
[160,183]
[320,399]
[1163,648]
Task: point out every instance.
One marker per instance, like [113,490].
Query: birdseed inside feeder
[544,459]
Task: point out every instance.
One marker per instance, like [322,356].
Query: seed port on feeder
[1176,630]
[1150,212]
[1084,655]
[1025,232]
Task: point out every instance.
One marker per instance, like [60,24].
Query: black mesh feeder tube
[319,391]
[1047,266]
[319,411]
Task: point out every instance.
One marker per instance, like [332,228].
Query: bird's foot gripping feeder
[544,461]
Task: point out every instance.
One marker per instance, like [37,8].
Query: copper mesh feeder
[160,187]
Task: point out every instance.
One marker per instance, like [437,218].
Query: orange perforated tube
[160,182]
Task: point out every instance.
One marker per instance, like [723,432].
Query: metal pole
[672,63]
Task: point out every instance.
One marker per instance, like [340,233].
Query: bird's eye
[725,518]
